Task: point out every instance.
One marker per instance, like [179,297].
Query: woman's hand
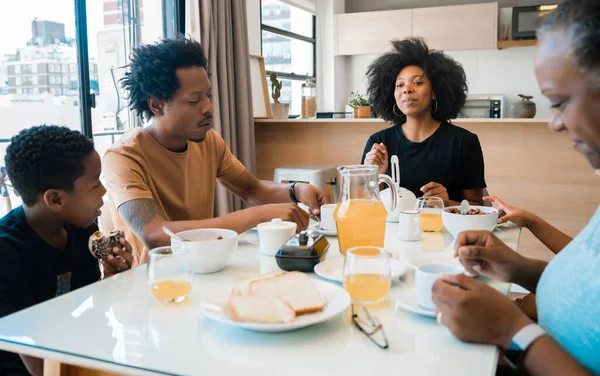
[476,312]
[378,156]
[435,190]
[481,252]
[121,260]
[517,216]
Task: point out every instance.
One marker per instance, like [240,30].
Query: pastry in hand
[101,244]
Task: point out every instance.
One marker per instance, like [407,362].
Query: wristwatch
[293,193]
[520,343]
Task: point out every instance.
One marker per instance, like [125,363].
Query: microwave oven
[525,20]
[483,106]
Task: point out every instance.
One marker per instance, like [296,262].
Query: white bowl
[457,223]
[209,255]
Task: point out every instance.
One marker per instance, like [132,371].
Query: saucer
[317,229]
[407,299]
[333,269]
[252,237]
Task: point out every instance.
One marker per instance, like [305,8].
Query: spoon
[464,207]
[173,235]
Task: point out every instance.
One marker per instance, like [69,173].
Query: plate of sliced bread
[278,302]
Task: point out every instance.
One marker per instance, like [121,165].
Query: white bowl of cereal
[478,218]
[210,248]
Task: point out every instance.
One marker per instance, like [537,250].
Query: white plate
[317,229]
[333,269]
[336,298]
[407,299]
[252,238]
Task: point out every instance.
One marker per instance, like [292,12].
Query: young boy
[44,243]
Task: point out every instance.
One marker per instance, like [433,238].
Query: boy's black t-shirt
[32,271]
[451,156]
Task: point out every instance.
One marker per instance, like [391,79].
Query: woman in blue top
[568,287]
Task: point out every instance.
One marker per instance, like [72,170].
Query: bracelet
[521,343]
[292,193]
[527,335]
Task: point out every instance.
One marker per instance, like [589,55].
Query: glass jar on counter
[309,99]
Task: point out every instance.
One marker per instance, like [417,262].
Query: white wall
[253,20]
[508,72]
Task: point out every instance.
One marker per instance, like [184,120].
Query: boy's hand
[120,262]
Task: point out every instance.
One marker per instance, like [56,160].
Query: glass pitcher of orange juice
[360,215]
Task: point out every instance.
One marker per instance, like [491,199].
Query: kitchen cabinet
[371,32]
[459,27]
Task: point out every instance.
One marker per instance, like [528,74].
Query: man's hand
[287,212]
[312,197]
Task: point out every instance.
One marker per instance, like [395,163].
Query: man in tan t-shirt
[166,173]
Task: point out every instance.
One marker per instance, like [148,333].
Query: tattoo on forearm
[138,213]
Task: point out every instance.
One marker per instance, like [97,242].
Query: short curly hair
[580,19]
[46,157]
[152,71]
[447,77]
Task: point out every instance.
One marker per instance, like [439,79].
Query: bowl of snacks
[476,218]
[210,248]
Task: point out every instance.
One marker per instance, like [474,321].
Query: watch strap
[292,193]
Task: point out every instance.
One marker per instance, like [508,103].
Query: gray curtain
[221,28]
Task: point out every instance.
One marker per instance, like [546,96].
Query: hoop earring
[436,105]
[394,111]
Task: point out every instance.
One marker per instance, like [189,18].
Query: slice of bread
[295,288]
[274,298]
[256,308]
[242,286]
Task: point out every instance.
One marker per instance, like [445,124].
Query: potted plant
[360,104]
[280,110]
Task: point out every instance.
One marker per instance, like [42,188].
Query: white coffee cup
[409,225]
[272,235]
[327,219]
[425,277]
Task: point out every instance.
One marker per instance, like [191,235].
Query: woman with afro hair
[419,90]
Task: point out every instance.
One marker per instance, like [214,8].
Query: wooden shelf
[516,43]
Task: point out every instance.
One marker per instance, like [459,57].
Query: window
[288,46]
[143,21]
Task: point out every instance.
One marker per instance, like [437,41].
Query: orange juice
[431,221]
[171,289]
[367,287]
[360,222]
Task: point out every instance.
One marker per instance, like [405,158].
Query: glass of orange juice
[430,209]
[367,274]
[169,273]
